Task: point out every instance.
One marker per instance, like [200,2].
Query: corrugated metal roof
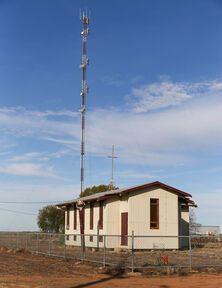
[104,195]
[95,196]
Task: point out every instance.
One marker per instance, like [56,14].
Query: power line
[30,202]
[18,212]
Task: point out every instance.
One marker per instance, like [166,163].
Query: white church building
[155,214]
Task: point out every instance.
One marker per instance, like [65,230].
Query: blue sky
[155,82]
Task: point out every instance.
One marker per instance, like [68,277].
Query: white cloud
[70,142]
[11,191]
[37,156]
[24,122]
[159,95]
[166,137]
[40,156]
[28,169]
[169,137]
[46,113]
[38,192]
[60,153]
[166,94]
[66,113]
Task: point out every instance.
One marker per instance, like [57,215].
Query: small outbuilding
[208,230]
[155,214]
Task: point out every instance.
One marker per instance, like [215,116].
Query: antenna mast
[85,61]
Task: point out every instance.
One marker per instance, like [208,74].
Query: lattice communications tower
[84,17]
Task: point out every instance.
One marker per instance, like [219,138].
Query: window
[90,238]
[75,218]
[82,220]
[67,237]
[101,215]
[100,238]
[91,216]
[67,218]
[74,237]
[154,213]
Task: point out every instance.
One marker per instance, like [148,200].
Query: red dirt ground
[24,270]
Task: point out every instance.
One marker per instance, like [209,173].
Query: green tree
[96,189]
[51,219]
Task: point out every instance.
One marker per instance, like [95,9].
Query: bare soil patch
[25,270]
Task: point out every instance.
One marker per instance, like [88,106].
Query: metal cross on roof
[112,175]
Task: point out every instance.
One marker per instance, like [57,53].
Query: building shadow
[87,284]
[103,280]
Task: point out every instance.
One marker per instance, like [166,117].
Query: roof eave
[157,184]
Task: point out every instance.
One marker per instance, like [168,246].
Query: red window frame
[91,216]
[154,213]
[75,218]
[67,217]
[101,215]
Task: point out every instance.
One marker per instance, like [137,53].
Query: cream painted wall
[139,212]
[112,216]
[139,219]
[87,231]
[138,207]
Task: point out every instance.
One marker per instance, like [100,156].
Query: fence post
[190,253]
[26,241]
[64,245]
[82,257]
[83,247]
[132,240]
[104,251]
[37,244]
[97,236]
[49,244]
[17,239]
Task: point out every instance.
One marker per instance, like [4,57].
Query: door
[124,229]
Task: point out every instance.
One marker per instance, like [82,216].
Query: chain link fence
[133,252]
